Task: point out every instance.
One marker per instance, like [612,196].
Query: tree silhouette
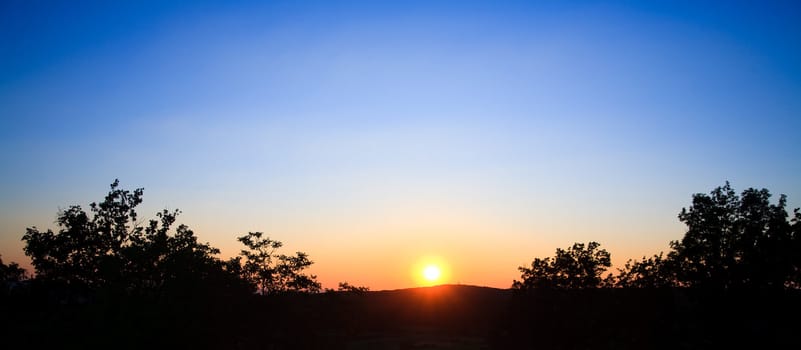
[108,249]
[162,262]
[794,279]
[347,287]
[572,268]
[274,273]
[11,275]
[737,241]
[86,251]
[732,242]
[655,272]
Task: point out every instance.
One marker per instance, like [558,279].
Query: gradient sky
[377,138]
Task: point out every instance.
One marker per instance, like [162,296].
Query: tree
[654,272]
[737,241]
[794,280]
[164,262]
[572,268]
[347,287]
[11,275]
[86,251]
[108,249]
[274,273]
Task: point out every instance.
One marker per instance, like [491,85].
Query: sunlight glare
[431,273]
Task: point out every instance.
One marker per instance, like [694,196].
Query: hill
[441,317]
[472,317]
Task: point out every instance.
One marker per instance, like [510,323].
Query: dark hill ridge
[440,317]
[460,287]
[448,308]
[463,316]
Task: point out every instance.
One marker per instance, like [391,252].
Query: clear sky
[377,138]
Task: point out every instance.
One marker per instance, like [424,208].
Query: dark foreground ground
[444,317]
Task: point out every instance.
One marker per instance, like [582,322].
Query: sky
[379,138]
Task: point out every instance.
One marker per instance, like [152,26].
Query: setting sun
[431,273]
[431,270]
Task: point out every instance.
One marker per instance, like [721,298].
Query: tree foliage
[737,241]
[655,272]
[271,272]
[89,249]
[347,287]
[579,266]
[732,242]
[108,249]
[11,275]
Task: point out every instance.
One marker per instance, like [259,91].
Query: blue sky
[364,133]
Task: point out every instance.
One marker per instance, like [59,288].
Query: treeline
[109,251]
[106,279]
[732,243]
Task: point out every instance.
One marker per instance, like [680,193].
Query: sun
[432,273]
[430,270]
